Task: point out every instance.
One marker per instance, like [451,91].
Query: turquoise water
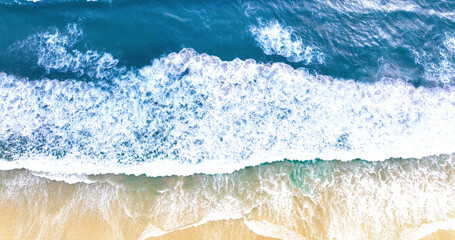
[392,199]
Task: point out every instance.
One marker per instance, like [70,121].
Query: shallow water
[391,199]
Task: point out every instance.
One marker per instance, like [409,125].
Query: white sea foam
[393,199]
[429,228]
[439,68]
[275,39]
[56,52]
[68,178]
[189,112]
[449,43]
[267,229]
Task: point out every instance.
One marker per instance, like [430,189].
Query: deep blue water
[361,40]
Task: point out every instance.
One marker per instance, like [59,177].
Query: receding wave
[391,199]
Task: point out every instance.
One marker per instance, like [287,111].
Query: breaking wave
[207,115]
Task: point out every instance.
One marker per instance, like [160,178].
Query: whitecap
[276,39]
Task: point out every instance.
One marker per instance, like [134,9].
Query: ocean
[153,119]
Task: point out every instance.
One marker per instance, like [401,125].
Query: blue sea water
[315,119]
[360,40]
[212,86]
